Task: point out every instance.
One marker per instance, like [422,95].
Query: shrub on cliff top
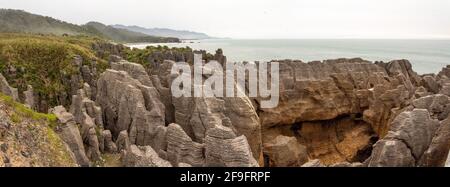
[43,61]
[141,56]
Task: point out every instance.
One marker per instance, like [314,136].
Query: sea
[426,56]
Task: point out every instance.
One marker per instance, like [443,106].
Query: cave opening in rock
[346,138]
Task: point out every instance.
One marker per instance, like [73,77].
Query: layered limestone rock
[445,72]
[181,148]
[143,157]
[438,150]
[332,113]
[438,105]
[130,102]
[70,134]
[338,108]
[224,149]
[109,145]
[29,97]
[221,148]
[317,91]
[408,138]
[340,140]
[195,115]
[156,59]
[89,116]
[391,153]
[8,90]
[123,142]
[429,82]
[403,67]
[285,151]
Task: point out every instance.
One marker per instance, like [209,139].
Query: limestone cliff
[339,113]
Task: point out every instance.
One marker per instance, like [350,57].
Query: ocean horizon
[426,55]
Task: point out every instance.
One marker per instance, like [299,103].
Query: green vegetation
[44,142]
[125,36]
[57,149]
[142,56]
[45,62]
[21,111]
[18,21]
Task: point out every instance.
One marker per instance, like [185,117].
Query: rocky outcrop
[429,82]
[438,105]
[181,148]
[408,138]
[224,149]
[26,140]
[130,102]
[109,145]
[325,90]
[196,115]
[88,115]
[445,72]
[285,151]
[70,134]
[143,157]
[339,113]
[157,58]
[8,90]
[403,67]
[338,108]
[123,142]
[29,97]
[436,154]
[391,153]
[106,49]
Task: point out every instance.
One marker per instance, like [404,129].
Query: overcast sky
[260,18]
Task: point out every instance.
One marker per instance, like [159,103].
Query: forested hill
[18,21]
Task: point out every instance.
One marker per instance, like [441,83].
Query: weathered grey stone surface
[199,114]
[430,83]
[129,104]
[285,151]
[416,129]
[123,142]
[160,140]
[245,120]
[438,105]
[316,91]
[8,90]
[181,148]
[143,157]
[408,138]
[421,92]
[391,153]
[224,149]
[92,145]
[109,145]
[438,150]
[136,71]
[29,97]
[70,134]
[89,136]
